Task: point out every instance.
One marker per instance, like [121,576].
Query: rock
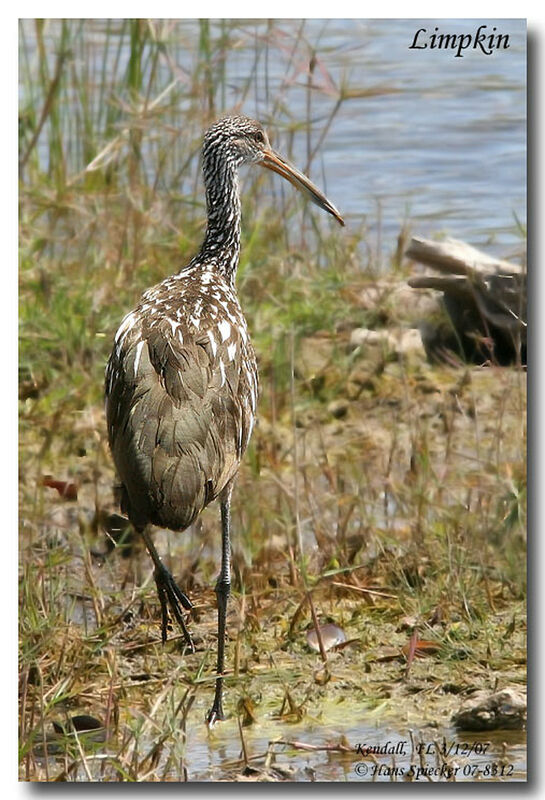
[317,362]
[397,301]
[409,342]
[331,635]
[364,337]
[400,342]
[316,354]
[487,712]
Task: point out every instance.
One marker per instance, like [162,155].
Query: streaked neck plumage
[221,244]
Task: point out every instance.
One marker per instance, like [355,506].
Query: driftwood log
[484,297]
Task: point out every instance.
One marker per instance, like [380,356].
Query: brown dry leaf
[246,710]
[68,491]
[421,648]
[388,654]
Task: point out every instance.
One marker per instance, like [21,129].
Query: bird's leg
[169,594]
[223,589]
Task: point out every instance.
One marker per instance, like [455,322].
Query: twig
[363,589]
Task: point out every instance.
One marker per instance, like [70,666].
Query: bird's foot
[215,714]
[170,595]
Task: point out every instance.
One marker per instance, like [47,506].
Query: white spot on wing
[222,370]
[253,397]
[139,348]
[126,324]
[231,350]
[226,307]
[212,343]
[224,329]
[195,318]
[250,429]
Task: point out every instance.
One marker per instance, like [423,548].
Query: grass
[404,506]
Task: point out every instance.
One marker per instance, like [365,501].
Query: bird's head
[241,140]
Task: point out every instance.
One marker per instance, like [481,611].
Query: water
[442,144]
[450,147]
[312,751]
[496,756]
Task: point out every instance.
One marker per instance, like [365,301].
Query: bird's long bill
[276,163]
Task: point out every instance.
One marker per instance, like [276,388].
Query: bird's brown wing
[180,411]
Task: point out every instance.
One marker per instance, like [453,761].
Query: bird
[181,384]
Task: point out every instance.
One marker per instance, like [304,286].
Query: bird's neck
[221,244]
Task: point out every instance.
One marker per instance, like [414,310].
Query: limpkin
[181,382]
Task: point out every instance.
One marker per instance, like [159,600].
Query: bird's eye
[259,138]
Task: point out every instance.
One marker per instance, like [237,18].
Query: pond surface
[363,750]
[378,753]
